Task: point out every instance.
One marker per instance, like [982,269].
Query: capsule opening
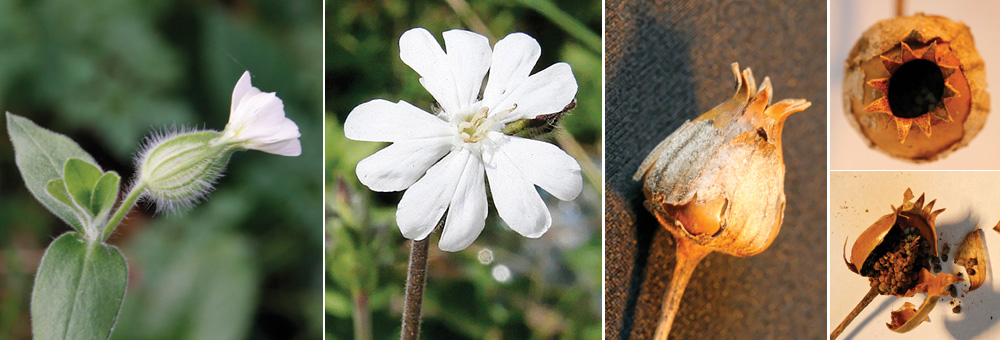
[915,89]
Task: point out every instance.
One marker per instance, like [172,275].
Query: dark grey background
[667,62]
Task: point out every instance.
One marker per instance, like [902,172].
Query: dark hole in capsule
[762,133]
[915,88]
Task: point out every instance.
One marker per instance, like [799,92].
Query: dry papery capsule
[895,254]
[915,87]
[717,183]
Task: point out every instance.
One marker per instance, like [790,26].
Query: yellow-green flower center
[475,127]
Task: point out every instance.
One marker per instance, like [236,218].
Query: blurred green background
[245,264]
[504,286]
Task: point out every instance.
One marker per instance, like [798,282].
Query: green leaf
[57,189]
[80,178]
[104,194]
[79,290]
[40,155]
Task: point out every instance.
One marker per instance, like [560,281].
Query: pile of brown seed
[894,265]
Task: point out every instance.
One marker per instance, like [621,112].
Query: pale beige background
[848,19]
[972,199]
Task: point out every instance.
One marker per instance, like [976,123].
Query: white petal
[467,213]
[244,89]
[291,148]
[384,121]
[419,50]
[424,202]
[513,58]
[515,198]
[260,115]
[546,166]
[454,77]
[470,60]
[548,91]
[401,164]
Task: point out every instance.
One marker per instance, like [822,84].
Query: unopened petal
[546,166]
[425,202]
[257,121]
[401,164]
[467,213]
[244,89]
[516,199]
[384,121]
[513,58]
[548,91]
[290,147]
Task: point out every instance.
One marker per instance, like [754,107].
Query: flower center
[477,125]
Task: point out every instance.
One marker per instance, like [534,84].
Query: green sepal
[81,177]
[78,291]
[104,194]
[539,127]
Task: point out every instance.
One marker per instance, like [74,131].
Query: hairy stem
[123,209]
[872,293]
[416,278]
[689,254]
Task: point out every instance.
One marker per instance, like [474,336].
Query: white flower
[257,121]
[178,169]
[445,159]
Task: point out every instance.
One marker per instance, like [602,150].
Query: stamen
[475,129]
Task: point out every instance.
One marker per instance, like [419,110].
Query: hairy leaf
[40,155]
[78,291]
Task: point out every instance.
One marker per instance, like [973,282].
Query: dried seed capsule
[915,87]
[719,179]
[717,183]
[904,241]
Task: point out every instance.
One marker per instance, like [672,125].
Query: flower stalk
[130,199]
[689,254]
[872,293]
[416,279]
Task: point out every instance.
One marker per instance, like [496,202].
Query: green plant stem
[567,22]
[574,149]
[416,279]
[362,317]
[465,12]
[123,209]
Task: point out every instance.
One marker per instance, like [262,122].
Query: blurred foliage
[245,264]
[504,286]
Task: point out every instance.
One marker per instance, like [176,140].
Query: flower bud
[178,171]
